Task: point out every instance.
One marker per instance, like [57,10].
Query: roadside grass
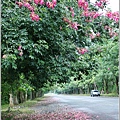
[80,94]
[4,107]
[22,108]
[76,94]
[110,95]
[104,95]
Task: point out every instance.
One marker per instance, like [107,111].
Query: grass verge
[22,108]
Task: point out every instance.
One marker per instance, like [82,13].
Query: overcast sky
[114,4]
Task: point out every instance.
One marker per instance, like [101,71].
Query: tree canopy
[54,41]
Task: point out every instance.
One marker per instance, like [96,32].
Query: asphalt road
[107,108]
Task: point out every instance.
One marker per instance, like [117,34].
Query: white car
[95,93]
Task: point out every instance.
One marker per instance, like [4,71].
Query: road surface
[107,108]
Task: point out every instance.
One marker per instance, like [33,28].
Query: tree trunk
[106,86]
[31,95]
[117,85]
[11,100]
[88,89]
[95,86]
[37,94]
[21,97]
[26,96]
[15,100]
[41,93]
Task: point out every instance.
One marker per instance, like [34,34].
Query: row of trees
[45,44]
[103,76]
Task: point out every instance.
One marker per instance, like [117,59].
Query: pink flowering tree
[54,40]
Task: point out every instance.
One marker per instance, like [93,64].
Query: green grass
[22,108]
[39,99]
[28,103]
[24,105]
[105,95]
[110,95]
[4,106]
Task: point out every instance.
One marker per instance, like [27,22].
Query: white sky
[114,4]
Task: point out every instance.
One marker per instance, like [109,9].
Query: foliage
[51,42]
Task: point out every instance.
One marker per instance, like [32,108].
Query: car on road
[95,93]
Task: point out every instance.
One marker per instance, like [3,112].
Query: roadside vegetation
[22,108]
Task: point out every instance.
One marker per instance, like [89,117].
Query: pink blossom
[111,34]
[71,9]
[114,16]
[54,2]
[86,13]
[91,14]
[116,19]
[109,14]
[92,36]
[73,14]
[74,25]
[41,2]
[108,68]
[36,1]
[85,7]
[20,4]
[98,34]
[50,5]
[34,16]
[96,15]
[31,8]
[98,3]
[83,4]
[81,50]
[115,34]
[60,27]
[19,48]
[101,3]
[26,4]
[106,27]
[21,53]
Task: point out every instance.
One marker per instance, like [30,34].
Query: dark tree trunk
[106,86]
[117,85]
[22,99]
[31,95]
